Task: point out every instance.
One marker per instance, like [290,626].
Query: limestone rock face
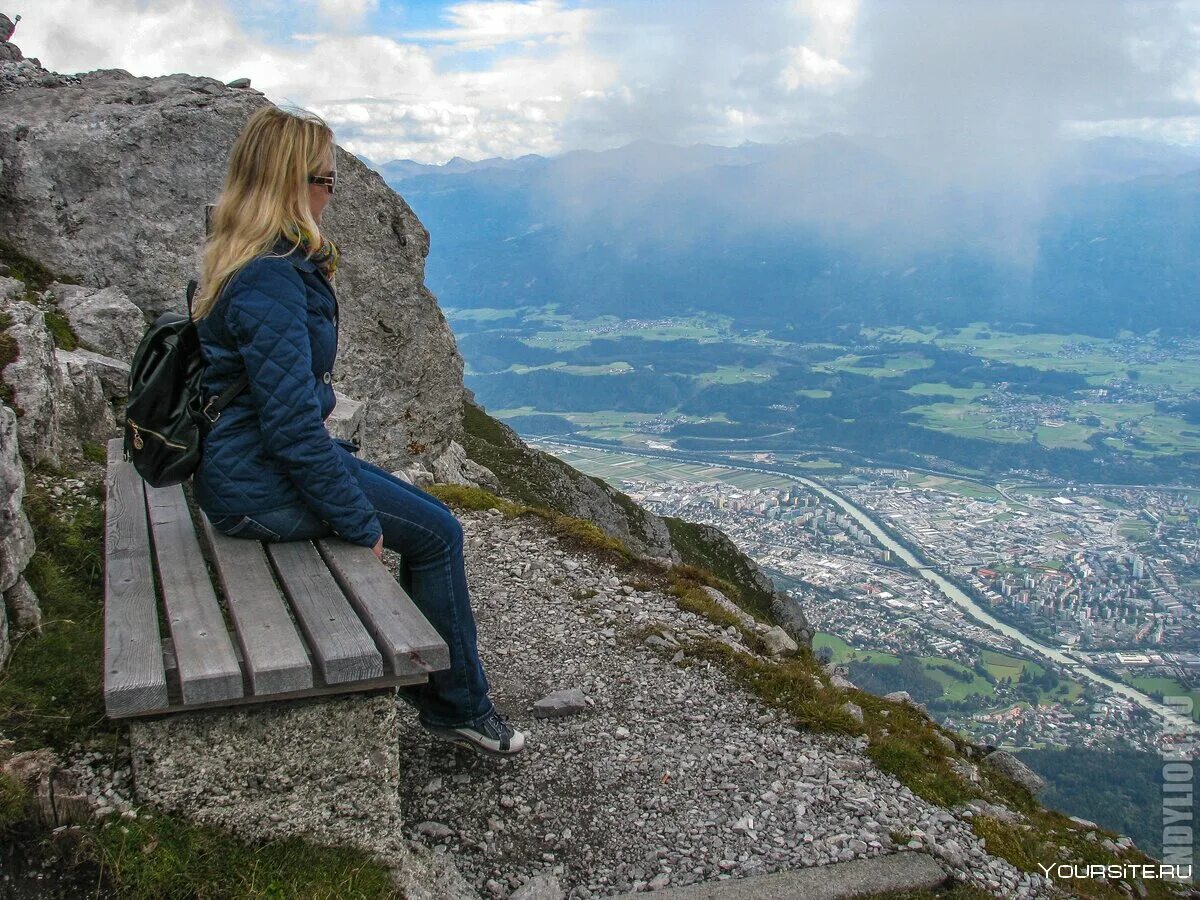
[106,182]
[105,320]
[37,384]
[85,414]
[16,536]
[60,395]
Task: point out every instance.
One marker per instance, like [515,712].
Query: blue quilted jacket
[277,320]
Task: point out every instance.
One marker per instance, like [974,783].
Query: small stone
[436,830]
[560,703]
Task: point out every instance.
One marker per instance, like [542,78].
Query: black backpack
[166,418]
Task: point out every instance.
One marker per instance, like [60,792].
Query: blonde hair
[264,195]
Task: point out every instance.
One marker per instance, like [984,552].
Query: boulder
[85,412]
[37,385]
[1008,765]
[348,421]
[113,374]
[142,234]
[779,642]
[104,320]
[16,536]
[854,711]
[453,467]
[24,609]
[744,618]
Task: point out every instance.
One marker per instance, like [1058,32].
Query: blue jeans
[429,539]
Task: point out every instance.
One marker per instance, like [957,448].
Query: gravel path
[672,775]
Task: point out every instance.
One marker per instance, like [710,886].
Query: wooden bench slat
[134,676]
[341,647]
[208,667]
[408,642]
[272,651]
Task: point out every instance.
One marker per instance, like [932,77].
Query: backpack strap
[212,409]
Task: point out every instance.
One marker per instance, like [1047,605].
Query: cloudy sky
[955,79]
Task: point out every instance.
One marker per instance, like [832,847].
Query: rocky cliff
[105,177]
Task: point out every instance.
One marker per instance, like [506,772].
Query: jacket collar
[295,257]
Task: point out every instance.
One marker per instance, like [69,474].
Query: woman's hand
[378,548]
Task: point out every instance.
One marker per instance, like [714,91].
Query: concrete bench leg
[323,768]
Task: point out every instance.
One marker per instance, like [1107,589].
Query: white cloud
[808,68]
[483,26]
[961,81]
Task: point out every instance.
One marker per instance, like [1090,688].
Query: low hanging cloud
[963,89]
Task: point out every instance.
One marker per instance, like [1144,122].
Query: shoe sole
[464,741]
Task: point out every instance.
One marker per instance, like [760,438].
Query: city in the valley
[1074,588]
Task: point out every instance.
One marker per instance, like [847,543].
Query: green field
[1168,687]
[953,688]
[998,665]
[1060,420]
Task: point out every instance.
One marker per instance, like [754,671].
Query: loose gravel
[673,773]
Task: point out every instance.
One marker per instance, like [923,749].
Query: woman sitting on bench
[270,470]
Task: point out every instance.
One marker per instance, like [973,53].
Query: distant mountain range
[810,236]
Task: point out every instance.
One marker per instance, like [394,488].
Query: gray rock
[560,703]
[113,374]
[24,610]
[239,83]
[898,696]
[853,710]
[37,385]
[1006,764]
[85,414]
[437,831]
[453,467]
[539,887]
[143,236]
[6,27]
[779,642]
[327,769]
[729,606]
[945,742]
[840,681]
[105,320]
[348,421]
[16,536]
[11,289]
[964,770]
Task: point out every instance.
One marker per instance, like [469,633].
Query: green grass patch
[167,857]
[1167,687]
[60,330]
[14,803]
[1054,839]
[36,276]
[50,691]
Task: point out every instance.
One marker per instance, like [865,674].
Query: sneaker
[493,736]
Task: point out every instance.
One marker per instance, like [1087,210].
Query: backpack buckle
[211,400]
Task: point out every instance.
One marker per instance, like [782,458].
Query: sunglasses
[330,181]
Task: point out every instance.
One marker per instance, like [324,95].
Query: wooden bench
[294,619]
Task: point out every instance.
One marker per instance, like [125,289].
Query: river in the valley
[1176,721]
